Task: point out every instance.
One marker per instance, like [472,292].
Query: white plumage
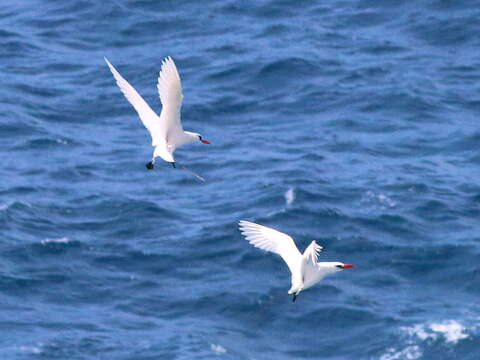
[305,269]
[166,130]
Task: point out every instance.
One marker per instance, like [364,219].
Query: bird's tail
[162,151]
[184,167]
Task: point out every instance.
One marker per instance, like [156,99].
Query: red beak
[206,142]
[347,266]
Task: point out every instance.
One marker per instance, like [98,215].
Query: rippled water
[355,123]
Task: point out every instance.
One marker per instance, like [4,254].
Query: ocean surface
[355,123]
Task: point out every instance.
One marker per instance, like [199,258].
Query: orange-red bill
[347,266]
[206,142]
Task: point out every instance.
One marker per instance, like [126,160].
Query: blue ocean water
[355,123]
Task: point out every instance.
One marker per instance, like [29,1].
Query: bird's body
[305,268]
[166,130]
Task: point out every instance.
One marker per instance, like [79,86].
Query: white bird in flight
[166,130]
[306,270]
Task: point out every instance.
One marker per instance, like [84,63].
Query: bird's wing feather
[145,112]
[170,91]
[272,240]
[311,252]
[310,269]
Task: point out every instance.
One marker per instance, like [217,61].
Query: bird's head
[203,140]
[341,266]
[193,136]
[333,267]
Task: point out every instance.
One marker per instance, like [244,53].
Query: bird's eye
[339,266]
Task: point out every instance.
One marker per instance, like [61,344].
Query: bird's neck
[189,137]
[326,268]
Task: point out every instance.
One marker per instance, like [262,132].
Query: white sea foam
[451,331]
[290,196]
[380,200]
[385,200]
[30,349]
[420,331]
[218,349]
[411,352]
[62,240]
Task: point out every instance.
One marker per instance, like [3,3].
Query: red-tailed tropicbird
[166,130]
[306,269]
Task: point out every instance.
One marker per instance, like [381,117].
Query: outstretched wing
[310,273]
[146,114]
[170,90]
[272,240]
[311,253]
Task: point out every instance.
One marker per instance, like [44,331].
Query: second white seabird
[305,268]
[166,130]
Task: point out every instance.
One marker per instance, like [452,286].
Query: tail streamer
[193,173]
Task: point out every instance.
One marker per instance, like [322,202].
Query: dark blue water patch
[6,34]
[18,49]
[391,224]
[74,173]
[275,30]
[47,23]
[220,108]
[367,74]
[445,32]
[47,144]
[365,18]
[135,261]
[233,71]
[228,49]
[435,211]
[385,48]
[278,69]
[165,23]
[17,190]
[276,10]
[461,72]
[460,141]
[19,285]
[63,67]
[396,102]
